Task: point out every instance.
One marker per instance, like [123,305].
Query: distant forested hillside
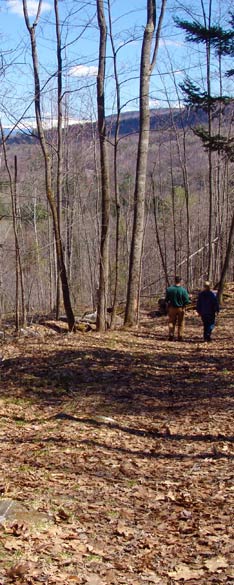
[100,206]
[176,210]
[160,119]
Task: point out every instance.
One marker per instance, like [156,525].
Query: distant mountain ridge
[160,119]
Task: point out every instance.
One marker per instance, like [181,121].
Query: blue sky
[80,54]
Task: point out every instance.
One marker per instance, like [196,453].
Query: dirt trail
[124,443]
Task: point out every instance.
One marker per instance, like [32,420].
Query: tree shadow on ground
[151,445]
[121,382]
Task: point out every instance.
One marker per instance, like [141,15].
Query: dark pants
[208,323]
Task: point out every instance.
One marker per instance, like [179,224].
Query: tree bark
[47,166]
[59,142]
[19,280]
[226,261]
[116,182]
[162,257]
[132,309]
[105,187]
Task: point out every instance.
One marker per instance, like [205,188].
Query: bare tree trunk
[18,256]
[226,261]
[40,287]
[116,182]
[173,205]
[163,259]
[104,250]
[182,152]
[147,65]
[210,166]
[51,254]
[47,163]
[59,141]
[19,284]
[69,202]
[183,164]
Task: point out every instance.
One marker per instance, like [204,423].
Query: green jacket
[177,296]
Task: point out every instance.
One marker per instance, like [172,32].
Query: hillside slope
[123,444]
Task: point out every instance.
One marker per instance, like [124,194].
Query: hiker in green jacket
[176,298]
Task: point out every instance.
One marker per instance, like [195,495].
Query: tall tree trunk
[18,255]
[47,163]
[162,257]
[105,187]
[182,153]
[226,261]
[69,189]
[59,141]
[19,282]
[210,166]
[39,279]
[173,207]
[116,182]
[146,69]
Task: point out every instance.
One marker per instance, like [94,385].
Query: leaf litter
[123,445]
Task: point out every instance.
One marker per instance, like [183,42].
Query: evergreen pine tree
[222,41]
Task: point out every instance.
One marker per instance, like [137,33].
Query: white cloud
[170,43]
[153,103]
[83,71]
[48,122]
[16,6]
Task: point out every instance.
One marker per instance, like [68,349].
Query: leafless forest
[188,201]
[166,223]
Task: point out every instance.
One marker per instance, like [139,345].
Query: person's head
[207,285]
[177,280]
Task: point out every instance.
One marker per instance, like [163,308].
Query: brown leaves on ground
[119,447]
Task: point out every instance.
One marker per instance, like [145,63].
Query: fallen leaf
[124,530]
[62,514]
[94,579]
[19,570]
[216,563]
[151,577]
[13,544]
[183,571]
[65,577]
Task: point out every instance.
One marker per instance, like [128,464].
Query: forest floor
[117,455]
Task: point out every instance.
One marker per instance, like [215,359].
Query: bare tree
[163,256]
[226,260]
[47,164]
[59,138]
[19,280]
[116,178]
[202,33]
[105,187]
[146,69]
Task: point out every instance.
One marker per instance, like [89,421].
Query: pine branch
[216,142]
[197,99]
[221,40]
